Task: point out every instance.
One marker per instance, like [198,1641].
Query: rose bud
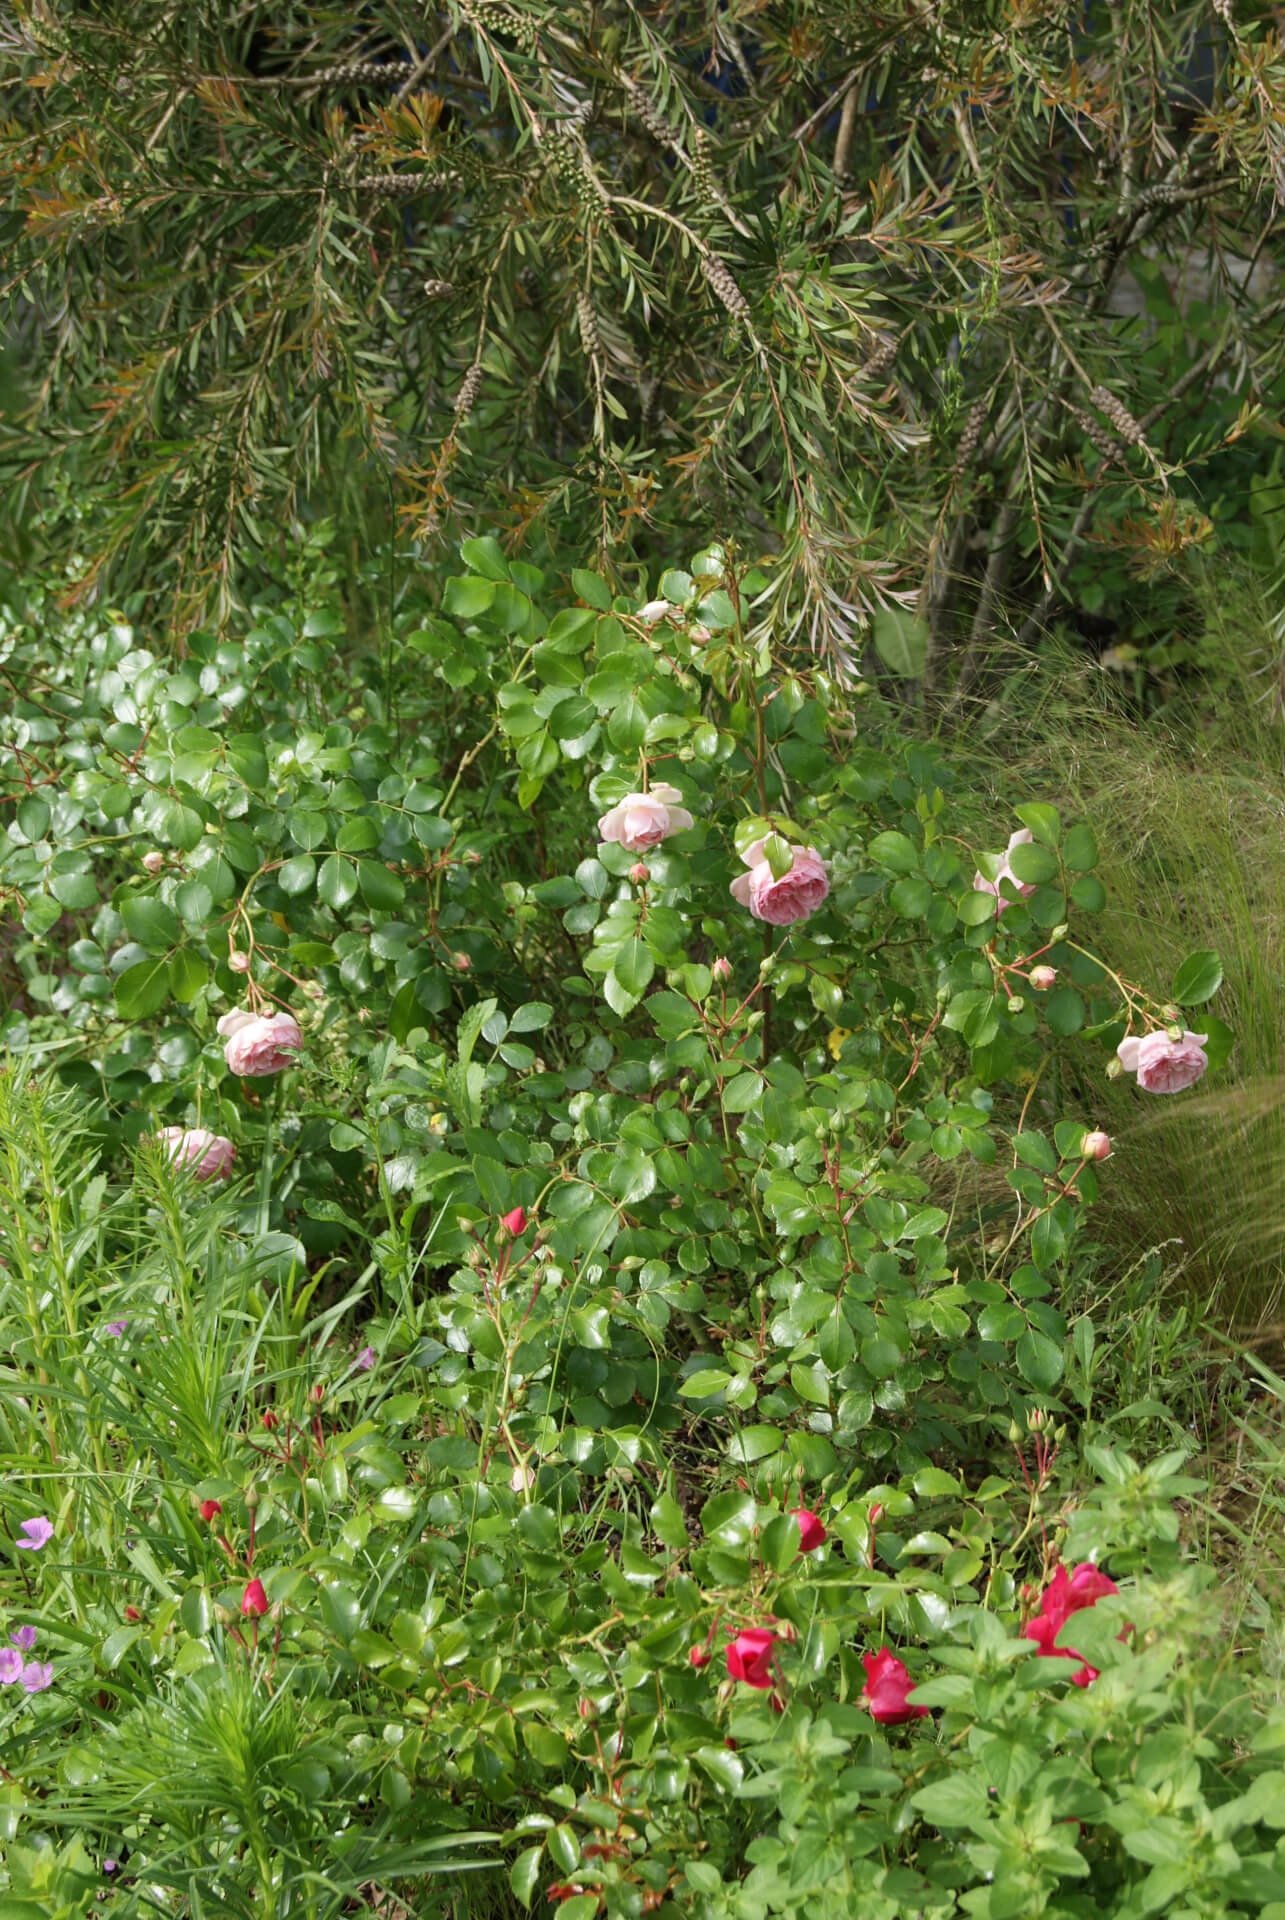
[254,1601]
[722,971]
[1096,1146]
[698,1657]
[153,861]
[639,873]
[514,1222]
[209,1508]
[1042,978]
[461,963]
[239,962]
[132,1614]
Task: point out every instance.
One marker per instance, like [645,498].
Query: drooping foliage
[859,281]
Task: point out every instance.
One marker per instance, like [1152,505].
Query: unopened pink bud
[239,962]
[461,962]
[639,873]
[1042,978]
[722,971]
[473,857]
[153,861]
[1096,1146]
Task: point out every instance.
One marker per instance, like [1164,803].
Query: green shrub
[595,1235]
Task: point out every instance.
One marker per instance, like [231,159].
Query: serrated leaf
[1198,978]
[524,1875]
[337,881]
[188,973]
[150,922]
[470,1027]
[141,989]
[592,588]
[1043,821]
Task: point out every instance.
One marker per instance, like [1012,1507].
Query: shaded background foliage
[917,299]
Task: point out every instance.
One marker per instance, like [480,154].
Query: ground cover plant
[503,1410]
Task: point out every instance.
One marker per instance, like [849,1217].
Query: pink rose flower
[750,1657]
[208,1155]
[793,897]
[888,1684]
[1164,1065]
[1025,887]
[811,1530]
[642,820]
[258,1044]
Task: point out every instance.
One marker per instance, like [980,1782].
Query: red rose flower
[888,1682]
[750,1657]
[1067,1594]
[811,1532]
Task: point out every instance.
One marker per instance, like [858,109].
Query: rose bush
[600,1233]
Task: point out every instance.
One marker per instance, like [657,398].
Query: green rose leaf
[1198,978]
[141,989]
